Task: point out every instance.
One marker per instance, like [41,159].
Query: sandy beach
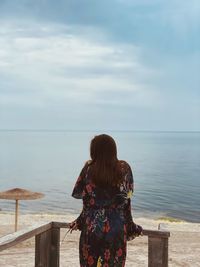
[184,242]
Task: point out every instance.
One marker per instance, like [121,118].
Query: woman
[106,185]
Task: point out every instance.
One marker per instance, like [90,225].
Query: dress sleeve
[81,219]
[127,212]
[78,190]
[129,185]
[129,182]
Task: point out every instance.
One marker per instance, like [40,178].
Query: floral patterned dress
[103,219]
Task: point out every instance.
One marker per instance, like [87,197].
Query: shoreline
[25,220]
[136,215]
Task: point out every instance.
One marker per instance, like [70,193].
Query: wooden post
[16,214]
[55,247]
[157,251]
[42,249]
[47,248]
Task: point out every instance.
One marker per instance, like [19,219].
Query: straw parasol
[19,194]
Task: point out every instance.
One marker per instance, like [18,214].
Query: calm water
[166,167]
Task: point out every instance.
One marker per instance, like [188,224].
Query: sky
[100,65]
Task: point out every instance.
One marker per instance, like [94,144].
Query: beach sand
[184,242]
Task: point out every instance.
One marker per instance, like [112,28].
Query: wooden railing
[47,244]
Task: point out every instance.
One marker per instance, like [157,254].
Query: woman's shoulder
[127,174]
[85,168]
[88,162]
[125,167]
[124,164]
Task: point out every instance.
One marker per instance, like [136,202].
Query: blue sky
[100,65]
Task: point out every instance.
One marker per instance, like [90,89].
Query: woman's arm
[80,220]
[129,187]
[127,211]
[79,187]
[78,192]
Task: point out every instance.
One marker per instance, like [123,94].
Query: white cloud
[46,63]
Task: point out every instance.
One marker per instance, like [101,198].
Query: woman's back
[106,211]
[105,185]
[95,197]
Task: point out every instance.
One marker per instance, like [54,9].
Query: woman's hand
[139,230]
[73,226]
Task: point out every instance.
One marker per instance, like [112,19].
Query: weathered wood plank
[47,248]
[157,252]
[55,247]
[156,233]
[43,249]
[145,232]
[60,224]
[17,237]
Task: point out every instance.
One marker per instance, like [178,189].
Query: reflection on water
[166,167]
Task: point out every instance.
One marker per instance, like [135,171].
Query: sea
[166,169]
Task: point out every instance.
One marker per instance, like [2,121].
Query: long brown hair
[105,170]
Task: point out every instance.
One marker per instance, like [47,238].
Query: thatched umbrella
[19,194]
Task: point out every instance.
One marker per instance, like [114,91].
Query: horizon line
[92,130]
